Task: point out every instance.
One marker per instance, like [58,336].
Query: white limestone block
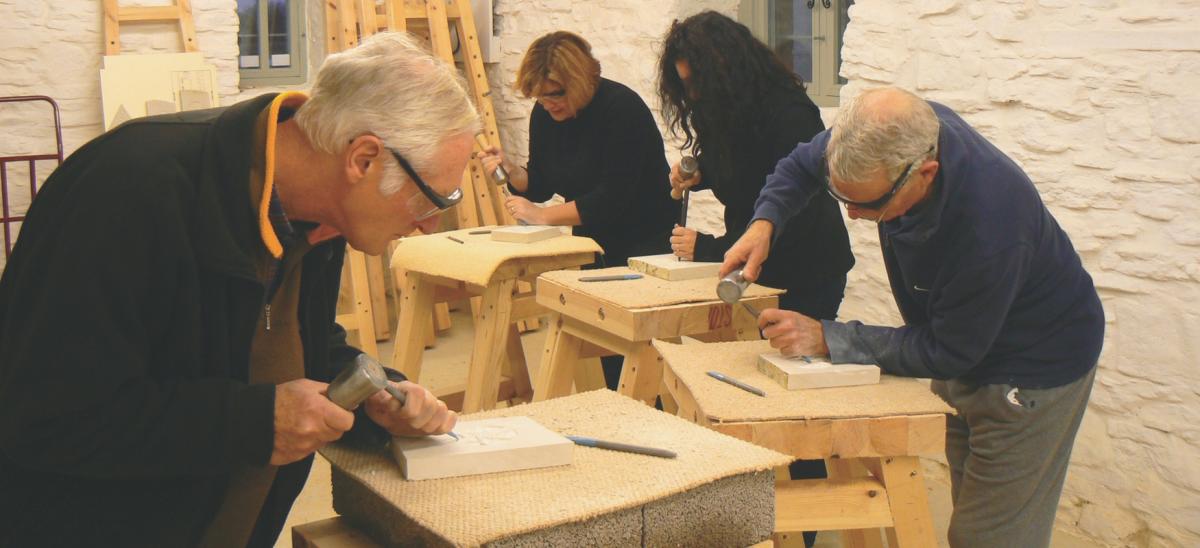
[797,374]
[485,446]
[525,234]
[668,267]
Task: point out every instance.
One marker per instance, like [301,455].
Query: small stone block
[525,234]
[669,267]
[797,374]
[485,446]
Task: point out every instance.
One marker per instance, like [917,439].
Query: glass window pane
[843,19]
[248,43]
[278,33]
[792,36]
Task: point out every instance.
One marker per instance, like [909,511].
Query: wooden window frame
[264,75]
[825,88]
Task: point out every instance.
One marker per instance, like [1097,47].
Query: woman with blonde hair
[594,142]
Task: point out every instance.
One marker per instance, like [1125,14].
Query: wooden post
[910,504]
[558,357]
[416,299]
[491,332]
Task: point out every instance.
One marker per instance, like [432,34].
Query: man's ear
[929,170]
[361,156]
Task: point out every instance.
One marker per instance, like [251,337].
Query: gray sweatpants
[1008,451]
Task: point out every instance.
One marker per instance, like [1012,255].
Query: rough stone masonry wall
[1096,98]
[54,48]
[1099,100]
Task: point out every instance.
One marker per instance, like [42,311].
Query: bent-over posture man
[167,317]
[996,304]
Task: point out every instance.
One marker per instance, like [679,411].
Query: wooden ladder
[115,14]
[350,21]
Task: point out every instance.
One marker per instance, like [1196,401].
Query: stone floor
[446,364]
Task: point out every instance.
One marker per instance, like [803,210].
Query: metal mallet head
[731,288]
[689,166]
[499,175]
[358,382]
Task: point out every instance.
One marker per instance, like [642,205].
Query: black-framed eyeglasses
[552,96]
[882,200]
[441,202]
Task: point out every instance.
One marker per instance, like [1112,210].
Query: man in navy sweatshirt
[997,306]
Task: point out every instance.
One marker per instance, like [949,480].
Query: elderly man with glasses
[997,306]
[167,317]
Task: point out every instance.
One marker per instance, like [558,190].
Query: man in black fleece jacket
[996,303]
[167,317]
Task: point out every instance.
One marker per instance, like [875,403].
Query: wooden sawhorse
[875,478]
[583,324]
[497,340]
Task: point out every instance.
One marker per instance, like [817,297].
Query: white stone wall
[54,48]
[1099,100]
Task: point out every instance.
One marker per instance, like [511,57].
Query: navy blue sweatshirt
[990,287]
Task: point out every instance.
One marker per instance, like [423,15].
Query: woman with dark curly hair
[740,110]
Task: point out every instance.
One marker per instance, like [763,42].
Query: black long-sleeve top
[813,246]
[609,159]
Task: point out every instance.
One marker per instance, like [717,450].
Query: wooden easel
[180,12]
[350,21]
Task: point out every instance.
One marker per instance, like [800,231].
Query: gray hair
[869,136]
[390,87]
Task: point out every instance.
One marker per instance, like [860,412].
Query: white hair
[868,136]
[392,88]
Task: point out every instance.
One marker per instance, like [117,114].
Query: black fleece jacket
[126,316]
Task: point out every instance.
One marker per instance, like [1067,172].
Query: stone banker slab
[718,491]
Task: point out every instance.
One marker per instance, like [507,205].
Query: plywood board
[484,446]
[131,83]
[798,373]
[669,267]
[525,234]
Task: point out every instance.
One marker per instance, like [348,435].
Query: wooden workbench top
[648,291]
[720,402]
[475,258]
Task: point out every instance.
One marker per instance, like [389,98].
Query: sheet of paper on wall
[798,373]
[484,446]
[526,234]
[669,267]
[132,86]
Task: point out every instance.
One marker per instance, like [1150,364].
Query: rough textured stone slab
[735,511]
[604,498]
